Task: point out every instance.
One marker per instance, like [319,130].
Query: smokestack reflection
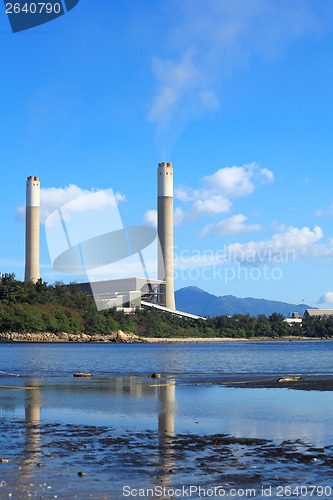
[33,404]
[166,431]
[166,417]
[32,448]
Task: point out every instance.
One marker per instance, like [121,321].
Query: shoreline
[129,338]
[289,338]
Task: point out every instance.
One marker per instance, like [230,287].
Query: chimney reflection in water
[166,430]
[32,418]
[166,424]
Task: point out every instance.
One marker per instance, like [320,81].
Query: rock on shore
[118,336]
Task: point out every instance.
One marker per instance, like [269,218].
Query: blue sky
[237,95]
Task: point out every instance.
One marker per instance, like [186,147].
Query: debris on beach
[290,379]
[155,375]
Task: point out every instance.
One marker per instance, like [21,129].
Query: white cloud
[175,79]
[238,181]
[231,181]
[214,204]
[54,198]
[327,298]
[289,246]
[178,217]
[278,227]
[215,196]
[209,100]
[266,176]
[212,39]
[241,28]
[150,218]
[231,226]
[327,213]
[183,194]
[293,243]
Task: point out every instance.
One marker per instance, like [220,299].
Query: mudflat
[77,461]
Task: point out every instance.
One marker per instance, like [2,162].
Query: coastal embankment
[63,337]
[130,338]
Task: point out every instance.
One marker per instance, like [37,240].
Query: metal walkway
[171,311]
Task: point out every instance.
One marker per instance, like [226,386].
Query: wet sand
[44,461]
[312,383]
[307,382]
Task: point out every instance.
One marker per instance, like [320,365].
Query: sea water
[122,399]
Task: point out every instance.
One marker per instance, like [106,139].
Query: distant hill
[196,301]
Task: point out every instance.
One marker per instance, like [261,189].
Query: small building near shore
[295,318]
[292,321]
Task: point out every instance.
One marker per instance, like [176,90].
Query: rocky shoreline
[63,337]
[131,338]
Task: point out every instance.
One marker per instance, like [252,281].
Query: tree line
[55,308]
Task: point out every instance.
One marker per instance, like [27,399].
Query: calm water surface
[132,404]
[122,394]
[188,358]
[122,400]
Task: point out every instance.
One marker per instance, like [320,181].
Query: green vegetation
[25,307]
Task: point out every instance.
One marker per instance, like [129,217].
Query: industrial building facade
[126,294]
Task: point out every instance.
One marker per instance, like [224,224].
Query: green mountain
[196,301]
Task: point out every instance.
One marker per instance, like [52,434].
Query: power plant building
[126,294]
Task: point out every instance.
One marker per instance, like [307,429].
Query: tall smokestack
[32,230]
[165,233]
